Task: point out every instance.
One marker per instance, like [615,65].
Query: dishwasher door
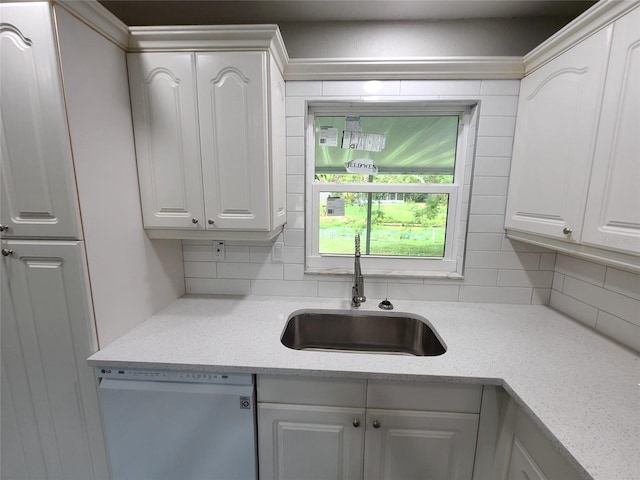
[186,431]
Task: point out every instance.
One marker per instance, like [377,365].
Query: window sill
[385,273]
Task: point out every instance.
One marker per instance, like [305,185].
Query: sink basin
[398,333]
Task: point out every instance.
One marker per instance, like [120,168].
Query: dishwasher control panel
[181,376]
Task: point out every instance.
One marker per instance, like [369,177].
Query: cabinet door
[46,337]
[39,196]
[612,218]
[163,101]
[409,445]
[310,442]
[554,141]
[232,105]
[522,466]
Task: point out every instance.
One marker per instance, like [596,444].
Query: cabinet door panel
[409,445]
[38,185]
[232,106]
[46,337]
[309,442]
[554,141]
[612,218]
[522,466]
[163,98]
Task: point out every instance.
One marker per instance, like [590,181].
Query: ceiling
[220,12]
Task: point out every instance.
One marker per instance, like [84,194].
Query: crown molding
[405,68]
[209,37]
[596,18]
[98,18]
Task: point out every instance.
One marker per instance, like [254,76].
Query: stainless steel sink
[373,332]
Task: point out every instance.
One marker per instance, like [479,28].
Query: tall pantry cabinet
[77,269]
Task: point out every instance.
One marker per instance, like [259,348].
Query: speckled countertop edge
[582,389]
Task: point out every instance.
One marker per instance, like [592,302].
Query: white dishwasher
[178,425]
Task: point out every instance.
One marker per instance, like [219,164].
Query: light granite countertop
[582,389]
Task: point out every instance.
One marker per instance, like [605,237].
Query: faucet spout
[357,291]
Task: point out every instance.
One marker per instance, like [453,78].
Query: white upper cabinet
[39,197]
[557,122]
[163,98]
[576,160]
[233,108]
[210,136]
[612,218]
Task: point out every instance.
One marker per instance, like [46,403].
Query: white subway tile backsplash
[440,87]
[494,146]
[295,202]
[497,126]
[295,146]
[208,286]
[295,183]
[496,105]
[259,254]
[581,269]
[200,269]
[197,252]
[485,223]
[295,106]
[293,254]
[236,253]
[295,165]
[626,283]
[492,166]
[295,126]
[574,308]
[304,89]
[439,293]
[515,295]
[503,260]
[284,288]
[621,306]
[547,261]
[481,276]
[558,281]
[489,186]
[540,296]
[294,237]
[500,87]
[618,329]
[273,271]
[525,278]
[295,219]
[488,205]
[293,271]
[484,241]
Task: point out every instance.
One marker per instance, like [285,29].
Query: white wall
[497,269]
[479,37]
[604,298]
[131,276]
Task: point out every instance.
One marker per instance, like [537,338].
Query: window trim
[452,263]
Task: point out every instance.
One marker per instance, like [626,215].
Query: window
[393,175]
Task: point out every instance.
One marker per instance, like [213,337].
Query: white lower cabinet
[369,429]
[308,441]
[534,457]
[416,445]
[522,466]
[50,416]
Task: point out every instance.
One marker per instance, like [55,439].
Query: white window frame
[448,266]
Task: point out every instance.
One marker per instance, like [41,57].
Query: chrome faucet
[357,291]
